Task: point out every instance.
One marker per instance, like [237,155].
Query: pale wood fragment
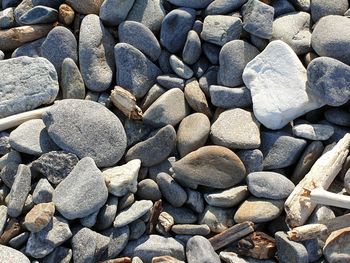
[126,103]
[323,197]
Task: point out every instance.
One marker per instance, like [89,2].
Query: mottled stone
[39,217]
[192,49]
[8,254]
[42,192]
[218,219]
[290,251]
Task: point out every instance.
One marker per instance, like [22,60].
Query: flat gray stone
[39,15]
[72,84]
[107,213]
[137,229]
[26,84]
[181,215]
[86,128]
[118,239]
[197,4]
[290,251]
[84,244]
[148,189]
[322,8]
[82,192]
[113,12]
[337,116]
[252,160]
[133,212]
[219,7]
[171,190]
[43,192]
[192,49]
[227,198]
[180,68]
[317,132]
[199,250]
[8,254]
[228,98]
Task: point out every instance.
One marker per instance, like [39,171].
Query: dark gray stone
[337,116]
[152,95]
[322,8]
[192,49]
[118,239]
[282,7]
[212,52]
[302,5]
[209,78]
[181,215]
[227,98]
[82,192]
[171,82]
[107,213]
[86,128]
[8,166]
[171,190]
[180,68]
[329,79]
[7,18]
[218,219]
[199,250]
[314,249]
[137,229]
[197,4]
[290,251]
[43,192]
[50,3]
[220,7]
[39,15]
[8,3]
[30,49]
[113,12]
[133,212]
[20,240]
[136,131]
[175,27]
[200,67]
[148,189]
[22,8]
[195,200]
[163,61]
[252,160]
[72,84]
[60,254]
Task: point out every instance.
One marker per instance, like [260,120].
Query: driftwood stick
[298,206]
[257,245]
[323,197]
[155,212]
[126,103]
[232,234]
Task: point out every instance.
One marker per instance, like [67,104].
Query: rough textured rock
[39,217]
[227,198]
[8,254]
[290,251]
[199,250]
[42,192]
[218,219]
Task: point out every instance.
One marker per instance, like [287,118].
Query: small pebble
[181,215]
[227,98]
[290,251]
[39,15]
[199,250]
[171,82]
[39,217]
[148,189]
[218,219]
[227,198]
[180,68]
[171,190]
[317,132]
[137,229]
[195,200]
[337,116]
[43,192]
[130,214]
[107,213]
[192,49]
[72,84]
[113,16]
[60,254]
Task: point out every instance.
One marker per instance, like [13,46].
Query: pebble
[192,133]
[199,250]
[136,131]
[42,243]
[164,63]
[30,49]
[195,200]
[294,29]
[8,254]
[114,12]
[171,82]
[166,259]
[72,84]
[336,248]
[118,239]
[96,59]
[8,166]
[195,97]
[20,240]
[22,78]
[196,4]
[43,192]
[165,221]
[137,229]
[135,72]
[3,218]
[133,212]
[219,7]
[231,257]
[322,8]
[60,254]
[269,185]
[39,217]
[148,189]
[212,52]
[90,220]
[227,98]
[175,27]
[316,132]
[218,219]
[19,191]
[107,213]
[236,129]
[290,98]
[7,18]
[209,78]
[201,230]
[165,166]
[66,14]
[152,95]
[150,13]
[181,215]
[330,38]
[148,247]
[234,56]
[282,7]
[140,37]
[252,160]
[50,3]
[39,15]
[192,49]
[200,66]
[314,249]
[303,5]
[337,116]
[290,251]
[280,150]
[227,198]
[258,18]
[87,7]
[84,246]
[180,68]
[197,168]
[169,108]
[330,90]
[122,179]
[155,149]
[82,192]
[171,190]
[103,139]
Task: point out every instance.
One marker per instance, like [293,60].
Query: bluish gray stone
[90,220]
[234,56]
[135,72]
[133,212]
[220,7]
[181,215]
[107,213]
[30,49]
[302,5]
[197,4]
[8,254]
[195,200]
[165,166]
[7,18]
[96,54]
[118,239]
[323,75]
[137,229]
[164,63]
[26,84]
[180,68]
[199,250]
[148,189]
[20,240]
[136,131]
[227,98]
[316,132]
[322,8]
[314,249]
[171,190]
[209,78]
[72,84]
[9,3]
[290,251]
[200,67]
[258,18]
[282,7]
[252,160]
[269,185]
[192,49]
[39,15]
[43,192]
[212,52]
[50,3]
[60,254]
[23,7]
[175,27]
[82,192]
[171,82]
[84,246]
[103,139]
[337,116]
[113,12]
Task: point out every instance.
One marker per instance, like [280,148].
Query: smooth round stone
[212,52]
[86,7]
[140,37]
[171,190]
[82,192]
[137,229]
[282,7]
[337,116]
[96,58]
[181,215]
[113,12]
[227,198]
[155,149]
[219,29]
[171,82]
[280,150]
[31,137]
[175,27]
[192,49]
[150,13]
[294,29]
[192,133]
[269,185]
[218,219]
[323,79]
[259,210]
[209,78]
[234,56]
[199,250]
[148,189]
[195,97]
[236,129]
[59,44]
[72,84]
[133,212]
[322,8]
[331,38]
[86,128]
[290,251]
[107,213]
[169,108]
[8,254]
[7,18]
[152,95]
[252,160]
[316,132]
[219,7]
[39,15]
[228,98]
[198,167]
[135,72]
[180,68]
[197,4]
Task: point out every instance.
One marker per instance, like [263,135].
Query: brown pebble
[196,97]
[13,228]
[166,259]
[39,217]
[66,14]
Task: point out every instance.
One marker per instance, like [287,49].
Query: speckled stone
[133,212]
[218,219]
[8,254]
[227,198]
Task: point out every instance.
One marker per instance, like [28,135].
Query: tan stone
[66,14]
[39,217]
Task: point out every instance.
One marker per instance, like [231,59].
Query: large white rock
[277,82]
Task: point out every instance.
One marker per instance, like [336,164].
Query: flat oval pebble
[219,7]
[113,12]
[133,212]
[39,15]
[195,97]
[180,68]
[171,190]
[192,49]
[227,98]
[86,128]
[337,116]
[87,7]
[31,137]
[82,192]
[227,198]
[317,132]
[8,254]
[198,167]
[269,185]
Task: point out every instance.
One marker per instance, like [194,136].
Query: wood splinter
[323,197]
[126,103]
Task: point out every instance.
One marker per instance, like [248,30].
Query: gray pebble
[7,18]
[8,166]
[60,254]
[43,192]
[181,215]
[195,97]
[20,240]
[82,192]
[118,239]
[200,67]
[126,201]
[282,7]
[314,249]
[187,229]
[88,7]
[199,250]
[321,213]
[220,7]
[337,116]
[137,229]
[171,81]
[130,214]
[107,213]
[322,8]
[219,29]
[290,251]
[195,200]
[218,219]
[197,4]
[227,198]
[103,139]
[212,52]
[209,78]
[22,8]
[96,54]
[316,132]
[148,189]
[113,12]
[39,15]
[30,49]
[192,49]
[90,220]
[163,62]
[180,68]
[3,218]
[252,160]
[50,3]
[303,5]
[72,84]
[136,131]
[227,98]
[152,95]
[165,167]
[8,254]
[84,245]
[171,190]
